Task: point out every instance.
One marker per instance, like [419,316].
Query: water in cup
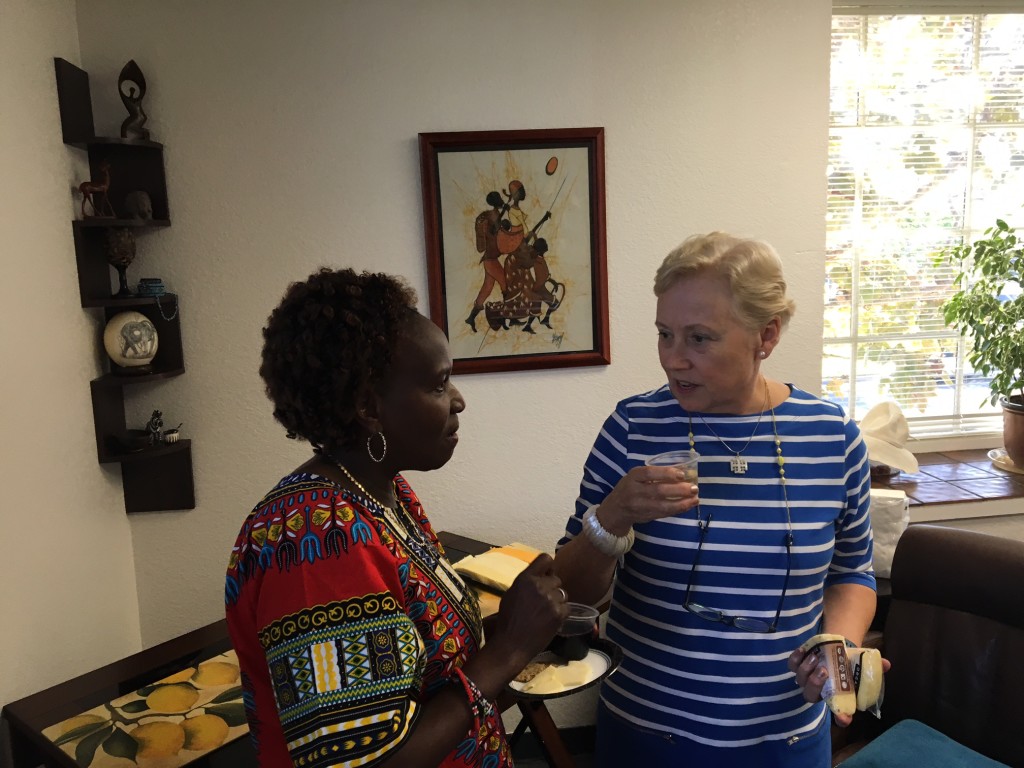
[685,460]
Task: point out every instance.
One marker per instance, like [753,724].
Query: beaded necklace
[737,463]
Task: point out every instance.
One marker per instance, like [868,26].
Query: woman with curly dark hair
[358,642]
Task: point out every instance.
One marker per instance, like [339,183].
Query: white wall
[291,136]
[291,133]
[68,595]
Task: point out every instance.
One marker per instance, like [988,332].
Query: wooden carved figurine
[95,193]
[132,79]
[120,254]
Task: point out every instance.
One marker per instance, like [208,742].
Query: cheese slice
[497,567]
[868,677]
[524,552]
[557,678]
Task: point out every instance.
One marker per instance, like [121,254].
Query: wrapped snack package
[855,678]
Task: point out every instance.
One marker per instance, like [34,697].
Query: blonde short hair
[752,268]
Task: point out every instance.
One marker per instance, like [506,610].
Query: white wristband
[604,540]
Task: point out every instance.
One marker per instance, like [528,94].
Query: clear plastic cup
[685,460]
[580,621]
[572,642]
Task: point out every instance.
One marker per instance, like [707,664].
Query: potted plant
[989,307]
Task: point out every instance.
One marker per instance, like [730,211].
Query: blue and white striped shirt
[706,681]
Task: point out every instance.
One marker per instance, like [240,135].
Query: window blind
[926,150]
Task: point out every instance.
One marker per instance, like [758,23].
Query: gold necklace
[359,486]
[407,522]
[737,464]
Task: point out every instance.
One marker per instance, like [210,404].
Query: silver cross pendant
[738,465]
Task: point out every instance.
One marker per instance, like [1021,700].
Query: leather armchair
[955,637]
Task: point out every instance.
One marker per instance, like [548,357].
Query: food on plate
[555,678]
[530,671]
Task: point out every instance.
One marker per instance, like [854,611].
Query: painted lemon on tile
[215,673]
[175,698]
[159,739]
[204,732]
[180,677]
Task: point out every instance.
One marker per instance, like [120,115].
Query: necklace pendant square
[738,465]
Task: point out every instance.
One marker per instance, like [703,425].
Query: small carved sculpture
[154,427]
[131,77]
[121,253]
[137,205]
[95,193]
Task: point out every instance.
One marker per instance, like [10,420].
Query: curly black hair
[329,339]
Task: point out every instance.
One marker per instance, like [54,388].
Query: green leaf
[80,731]
[135,706]
[229,695]
[86,749]
[147,690]
[120,744]
[977,309]
[232,714]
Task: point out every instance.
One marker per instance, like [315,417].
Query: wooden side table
[28,717]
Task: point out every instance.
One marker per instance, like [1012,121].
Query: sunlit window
[926,149]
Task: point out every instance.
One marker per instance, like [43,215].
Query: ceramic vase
[131,342]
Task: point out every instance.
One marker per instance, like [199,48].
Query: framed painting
[515,242]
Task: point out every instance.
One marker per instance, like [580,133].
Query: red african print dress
[346,618]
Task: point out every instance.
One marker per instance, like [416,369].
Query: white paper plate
[1001,460]
[601,661]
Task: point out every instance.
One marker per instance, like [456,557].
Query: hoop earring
[383,452]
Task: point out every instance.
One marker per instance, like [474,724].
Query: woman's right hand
[646,493]
[531,611]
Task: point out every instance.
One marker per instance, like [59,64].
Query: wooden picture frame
[515,242]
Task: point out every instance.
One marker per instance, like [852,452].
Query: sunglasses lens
[711,614]
[751,625]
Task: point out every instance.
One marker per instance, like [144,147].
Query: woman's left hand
[811,678]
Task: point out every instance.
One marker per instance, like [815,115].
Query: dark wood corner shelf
[106,141]
[131,302]
[98,221]
[160,477]
[146,453]
[123,380]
